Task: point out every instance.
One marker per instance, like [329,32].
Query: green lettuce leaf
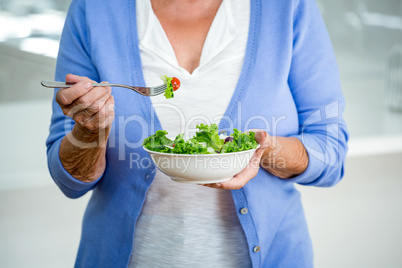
[240,142]
[169,88]
[157,142]
[209,135]
[205,141]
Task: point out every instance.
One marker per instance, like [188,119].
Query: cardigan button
[147,176]
[244,211]
[256,249]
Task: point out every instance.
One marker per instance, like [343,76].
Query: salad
[205,141]
[172,84]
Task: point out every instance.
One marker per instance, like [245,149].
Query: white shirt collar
[222,32]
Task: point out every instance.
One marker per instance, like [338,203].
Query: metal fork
[145,91]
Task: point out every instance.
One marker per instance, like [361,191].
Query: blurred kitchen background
[355,224]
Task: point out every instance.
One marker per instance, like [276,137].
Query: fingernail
[218,184]
[87,85]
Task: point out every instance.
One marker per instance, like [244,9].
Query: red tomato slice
[175,83]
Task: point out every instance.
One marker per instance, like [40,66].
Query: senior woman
[263,65]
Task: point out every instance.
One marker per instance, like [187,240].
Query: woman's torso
[183,225]
[262,99]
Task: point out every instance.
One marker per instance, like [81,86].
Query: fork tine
[159,89]
[157,93]
[162,87]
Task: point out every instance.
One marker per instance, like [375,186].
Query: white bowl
[201,168]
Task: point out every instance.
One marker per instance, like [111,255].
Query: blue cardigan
[289,86]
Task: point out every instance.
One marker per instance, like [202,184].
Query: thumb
[262,138]
[72,78]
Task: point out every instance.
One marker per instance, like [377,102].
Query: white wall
[358,222]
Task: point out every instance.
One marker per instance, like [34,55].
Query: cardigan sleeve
[73,57]
[315,85]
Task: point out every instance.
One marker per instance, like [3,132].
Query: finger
[244,176]
[253,130]
[260,136]
[236,183]
[103,118]
[239,180]
[212,185]
[92,96]
[251,170]
[90,101]
[84,111]
[72,78]
[106,114]
[99,103]
[66,96]
[264,140]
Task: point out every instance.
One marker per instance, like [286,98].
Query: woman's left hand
[251,170]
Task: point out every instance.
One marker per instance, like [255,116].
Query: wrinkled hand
[251,170]
[92,108]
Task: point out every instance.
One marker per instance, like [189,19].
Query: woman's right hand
[92,108]
[82,152]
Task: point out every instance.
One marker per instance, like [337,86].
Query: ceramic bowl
[201,168]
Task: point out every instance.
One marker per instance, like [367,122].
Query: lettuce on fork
[169,88]
[205,141]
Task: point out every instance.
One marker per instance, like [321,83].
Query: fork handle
[55,84]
